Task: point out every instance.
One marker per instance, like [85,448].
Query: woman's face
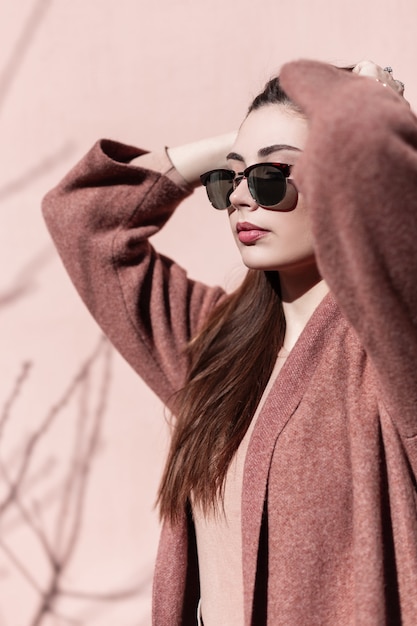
[268,239]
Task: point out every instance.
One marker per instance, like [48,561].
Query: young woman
[289,494]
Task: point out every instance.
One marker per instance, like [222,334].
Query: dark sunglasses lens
[267,185]
[219,185]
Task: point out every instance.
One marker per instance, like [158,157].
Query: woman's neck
[300,297]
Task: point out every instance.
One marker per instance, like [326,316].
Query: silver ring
[388,69]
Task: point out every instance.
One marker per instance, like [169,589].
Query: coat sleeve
[359,177]
[100,217]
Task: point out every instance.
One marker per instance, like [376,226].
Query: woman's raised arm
[359,176]
[192,159]
[101,217]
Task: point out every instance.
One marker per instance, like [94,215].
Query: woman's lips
[249,233]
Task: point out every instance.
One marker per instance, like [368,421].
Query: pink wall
[78,476]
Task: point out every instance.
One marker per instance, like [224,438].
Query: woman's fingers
[383,75]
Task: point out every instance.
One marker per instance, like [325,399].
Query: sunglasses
[267,183]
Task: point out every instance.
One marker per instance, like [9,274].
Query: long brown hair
[231,361]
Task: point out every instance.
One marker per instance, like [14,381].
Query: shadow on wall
[48,461]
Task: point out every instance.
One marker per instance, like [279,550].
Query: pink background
[81,438]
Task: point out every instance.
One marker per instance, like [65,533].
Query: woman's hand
[384,76]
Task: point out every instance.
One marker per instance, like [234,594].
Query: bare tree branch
[42,430]
[73,501]
[82,465]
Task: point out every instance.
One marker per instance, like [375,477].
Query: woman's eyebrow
[264,152]
[233,156]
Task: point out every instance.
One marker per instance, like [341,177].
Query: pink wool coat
[329,501]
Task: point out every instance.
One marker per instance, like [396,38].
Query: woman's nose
[241,196]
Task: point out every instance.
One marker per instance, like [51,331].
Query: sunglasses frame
[237,178]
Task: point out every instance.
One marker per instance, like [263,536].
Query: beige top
[219,540]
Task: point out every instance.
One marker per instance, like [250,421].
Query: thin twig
[20,567]
[41,431]
[19,382]
[85,463]
[81,468]
[21,47]
[28,518]
[42,167]
[109,596]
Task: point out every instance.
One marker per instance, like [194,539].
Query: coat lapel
[278,409]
